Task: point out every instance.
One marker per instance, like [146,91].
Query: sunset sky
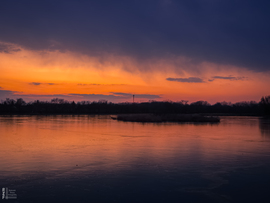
[154,49]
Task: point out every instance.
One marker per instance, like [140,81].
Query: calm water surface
[96,159]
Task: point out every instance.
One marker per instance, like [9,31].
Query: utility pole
[133,98]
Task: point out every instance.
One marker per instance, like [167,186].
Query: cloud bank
[113,97]
[223,32]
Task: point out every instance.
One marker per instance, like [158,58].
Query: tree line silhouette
[61,106]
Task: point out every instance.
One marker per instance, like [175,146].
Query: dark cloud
[189,80]
[225,32]
[96,97]
[39,83]
[6,93]
[116,96]
[147,96]
[141,96]
[33,97]
[42,95]
[112,97]
[8,48]
[77,97]
[35,83]
[81,84]
[227,78]
[126,95]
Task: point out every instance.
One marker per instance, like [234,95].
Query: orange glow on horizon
[71,73]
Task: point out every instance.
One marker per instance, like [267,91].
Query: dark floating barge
[166,118]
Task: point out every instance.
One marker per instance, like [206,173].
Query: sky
[163,50]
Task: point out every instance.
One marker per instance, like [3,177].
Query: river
[97,159]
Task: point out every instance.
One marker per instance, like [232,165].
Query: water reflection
[264,125]
[101,156]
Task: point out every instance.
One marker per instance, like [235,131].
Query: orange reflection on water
[51,143]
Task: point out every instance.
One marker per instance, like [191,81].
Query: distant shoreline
[202,114]
[62,107]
